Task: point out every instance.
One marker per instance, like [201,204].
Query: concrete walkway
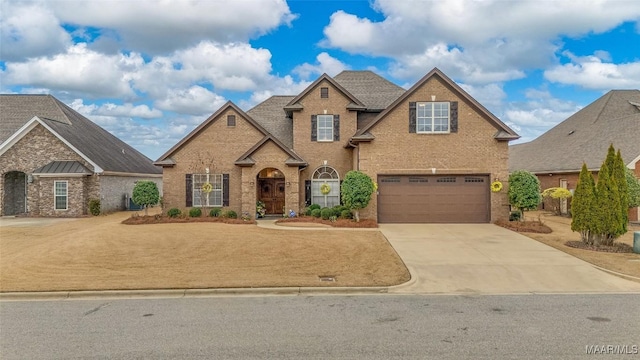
[488,259]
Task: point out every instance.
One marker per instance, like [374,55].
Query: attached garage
[434,199]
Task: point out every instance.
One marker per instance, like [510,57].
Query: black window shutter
[454,116]
[225,189]
[307,192]
[314,128]
[341,203]
[336,127]
[188,184]
[412,117]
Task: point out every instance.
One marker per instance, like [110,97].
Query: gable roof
[271,115]
[293,160]
[165,159]
[355,103]
[374,91]
[90,141]
[503,131]
[585,137]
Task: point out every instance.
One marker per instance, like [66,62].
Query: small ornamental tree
[524,191]
[556,193]
[356,191]
[146,193]
[582,206]
[633,188]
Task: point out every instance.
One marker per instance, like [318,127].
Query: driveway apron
[488,259]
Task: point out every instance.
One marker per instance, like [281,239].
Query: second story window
[433,117]
[325,128]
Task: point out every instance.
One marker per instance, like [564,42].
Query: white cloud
[325,64]
[592,72]
[195,100]
[29,31]
[478,41]
[79,70]
[162,26]
[111,110]
[276,86]
[490,96]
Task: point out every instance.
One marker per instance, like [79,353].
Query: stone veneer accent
[36,149]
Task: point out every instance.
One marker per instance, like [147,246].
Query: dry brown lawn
[100,253]
[625,263]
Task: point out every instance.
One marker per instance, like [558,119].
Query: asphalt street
[323,327]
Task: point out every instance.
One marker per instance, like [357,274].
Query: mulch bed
[163,219]
[344,223]
[615,248]
[525,226]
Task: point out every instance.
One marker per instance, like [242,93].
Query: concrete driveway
[488,259]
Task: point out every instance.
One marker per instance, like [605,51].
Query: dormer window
[324,93]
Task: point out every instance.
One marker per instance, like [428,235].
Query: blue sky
[150,71]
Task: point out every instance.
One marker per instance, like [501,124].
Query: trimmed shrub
[326,213]
[307,211]
[174,212]
[195,212]
[356,191]
[215,212]
[94,207]
[346,214]
[145,193]
[315,206]
[515,216]
[316,213]
[230,214]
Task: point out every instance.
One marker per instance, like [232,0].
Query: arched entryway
[325,187]
[271,190]
[15,193]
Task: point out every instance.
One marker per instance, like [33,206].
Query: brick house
[432,149]
[556,156]
[54,160]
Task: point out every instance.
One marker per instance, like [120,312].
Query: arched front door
[15,193]
[271,190]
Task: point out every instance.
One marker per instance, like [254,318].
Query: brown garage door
[433,199]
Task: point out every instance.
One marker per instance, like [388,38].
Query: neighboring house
[556,157]
[54,160]
[433,151]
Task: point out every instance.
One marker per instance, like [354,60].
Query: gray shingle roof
[103,148]
[584,137]
[374,91]
[271,115]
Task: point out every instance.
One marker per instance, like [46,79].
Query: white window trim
[209,178]
[66,196]
[432,117]
[318,128]
[334,182]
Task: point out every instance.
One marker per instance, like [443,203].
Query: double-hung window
[325,128]
[207,190]
[61,195]
[432,117]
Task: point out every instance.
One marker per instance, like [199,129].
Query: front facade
[53,161]
[556,157]
[433,151]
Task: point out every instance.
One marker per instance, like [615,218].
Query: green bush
[195,212]
[326,213]
[94,207]
[215,212]
[314,206]
[174,212]
[346,214]
[230,214]
[145,193]
[515,216]
[315,213]
[307,211]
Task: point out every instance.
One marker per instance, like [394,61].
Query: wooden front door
[271,193]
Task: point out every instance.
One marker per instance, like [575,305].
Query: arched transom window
[328,195]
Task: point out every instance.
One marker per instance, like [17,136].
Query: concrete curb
[615,273]
[271,224]
[187,293]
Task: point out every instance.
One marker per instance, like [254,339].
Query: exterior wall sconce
[252,183]
[288,183]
